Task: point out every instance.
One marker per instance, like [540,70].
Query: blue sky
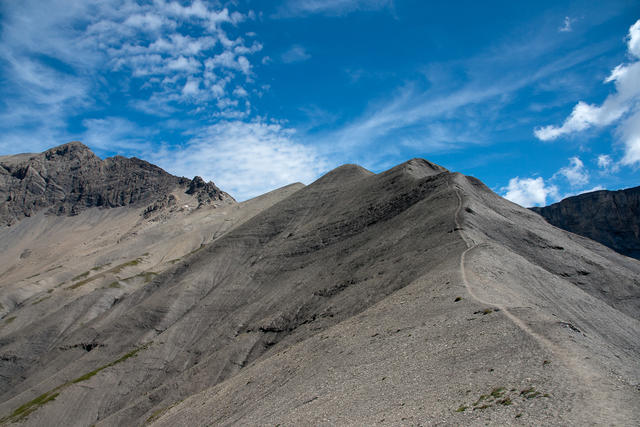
[540,100]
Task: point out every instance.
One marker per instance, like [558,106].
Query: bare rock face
[70,178]
[206,192]
[608,217]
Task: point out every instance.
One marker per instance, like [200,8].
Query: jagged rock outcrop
[609,217]
[70,178]
[206,192]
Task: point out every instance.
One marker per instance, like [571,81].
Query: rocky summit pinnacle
[67,179]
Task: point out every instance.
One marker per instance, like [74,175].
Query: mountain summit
[70,178]
[415,296]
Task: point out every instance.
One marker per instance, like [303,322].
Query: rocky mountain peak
[74,149]
[69,178]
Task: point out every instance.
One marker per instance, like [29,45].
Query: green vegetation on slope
[24,410]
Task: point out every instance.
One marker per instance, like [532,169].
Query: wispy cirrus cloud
[446,115]
[292,8]
[296,53]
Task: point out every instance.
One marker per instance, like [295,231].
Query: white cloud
[229,60]
[165,39]
[529,192]
[244,159]
[296,53]
[622,106]
[191,87]
[535,191]
[575,173]
[240,92]
[566,25]
[330,7]
[633,39]
[607,165]
[630,131]
[188,65]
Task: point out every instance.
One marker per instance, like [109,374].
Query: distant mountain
[609,217]
[70,178]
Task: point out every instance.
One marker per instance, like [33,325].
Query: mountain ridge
[412,296]
[69,178]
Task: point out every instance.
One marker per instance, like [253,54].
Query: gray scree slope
[609,217]
[414,296]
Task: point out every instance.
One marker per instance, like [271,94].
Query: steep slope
[519,324]
[609,217]
[70,178]
[81,266]
[414,296]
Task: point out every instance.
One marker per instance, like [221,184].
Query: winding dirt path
[608,406]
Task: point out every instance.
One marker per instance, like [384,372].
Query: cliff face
[70,178]
[609,217]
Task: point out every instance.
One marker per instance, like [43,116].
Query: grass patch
[81,276]
[483,407]
[53,268]
[9,319]
[156,414]
[202,245]
[82,283]
[31,277]
[118,268]
[498,396]
[100,267]
[115,284]
[23,411]
[506,401]
[529,393]
[115,270]
[148,276]
[497,392]
[480,399]
[41,299]
[198,249]
[50,291]
[108,365]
